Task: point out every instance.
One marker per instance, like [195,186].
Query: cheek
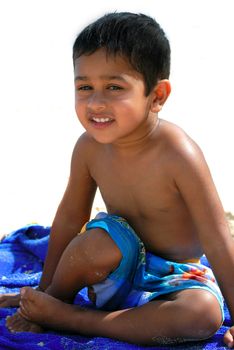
[125,103]
[76,108]
[79,113]
[79,106]
[135,107]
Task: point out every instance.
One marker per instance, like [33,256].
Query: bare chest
[143,191]
[135,187]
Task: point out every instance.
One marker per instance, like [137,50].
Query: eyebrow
[103,77]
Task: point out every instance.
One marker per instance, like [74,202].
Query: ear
[160,94]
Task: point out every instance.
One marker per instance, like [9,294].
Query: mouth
[101,121]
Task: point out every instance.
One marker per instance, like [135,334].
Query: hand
[9,300]
[229,337]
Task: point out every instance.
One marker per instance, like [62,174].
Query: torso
[142,189]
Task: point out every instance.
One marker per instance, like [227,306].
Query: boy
[141,261]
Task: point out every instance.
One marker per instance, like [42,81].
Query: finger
[10,301]
[5,302]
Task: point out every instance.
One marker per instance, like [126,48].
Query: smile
[102,120]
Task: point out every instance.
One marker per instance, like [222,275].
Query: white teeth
[102,120]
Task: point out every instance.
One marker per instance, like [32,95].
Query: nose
[96,101]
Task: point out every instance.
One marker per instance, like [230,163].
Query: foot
[17,323]
[47,311]
[9,300]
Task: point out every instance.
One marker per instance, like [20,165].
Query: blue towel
[21,261]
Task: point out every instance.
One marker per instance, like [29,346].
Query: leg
[87,260]
[186,315]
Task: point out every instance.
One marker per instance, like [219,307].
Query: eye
[84,88]
[115,87]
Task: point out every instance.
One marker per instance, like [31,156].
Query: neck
[138,142]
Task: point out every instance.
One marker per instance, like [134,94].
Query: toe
[13,322]
[26,293]
[23,309]
[17,323]
[27,300]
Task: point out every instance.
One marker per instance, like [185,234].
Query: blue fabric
[21,260]
[111,294]
[142,276]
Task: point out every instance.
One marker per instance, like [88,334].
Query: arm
[73,211]
[196,186]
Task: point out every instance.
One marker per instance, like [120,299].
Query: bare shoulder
[193,180]
[191,175]
[84,153]
[180,147]
[187,164]
[84,147]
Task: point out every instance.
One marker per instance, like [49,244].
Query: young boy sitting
[141,261]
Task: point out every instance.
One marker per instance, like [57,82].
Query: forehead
[100,64]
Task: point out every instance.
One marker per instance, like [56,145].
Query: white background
[38,125]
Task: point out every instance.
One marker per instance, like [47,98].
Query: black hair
[137,37]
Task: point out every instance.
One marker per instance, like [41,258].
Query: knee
[100,250]
[205,317]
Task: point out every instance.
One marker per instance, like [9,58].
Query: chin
[102,140]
